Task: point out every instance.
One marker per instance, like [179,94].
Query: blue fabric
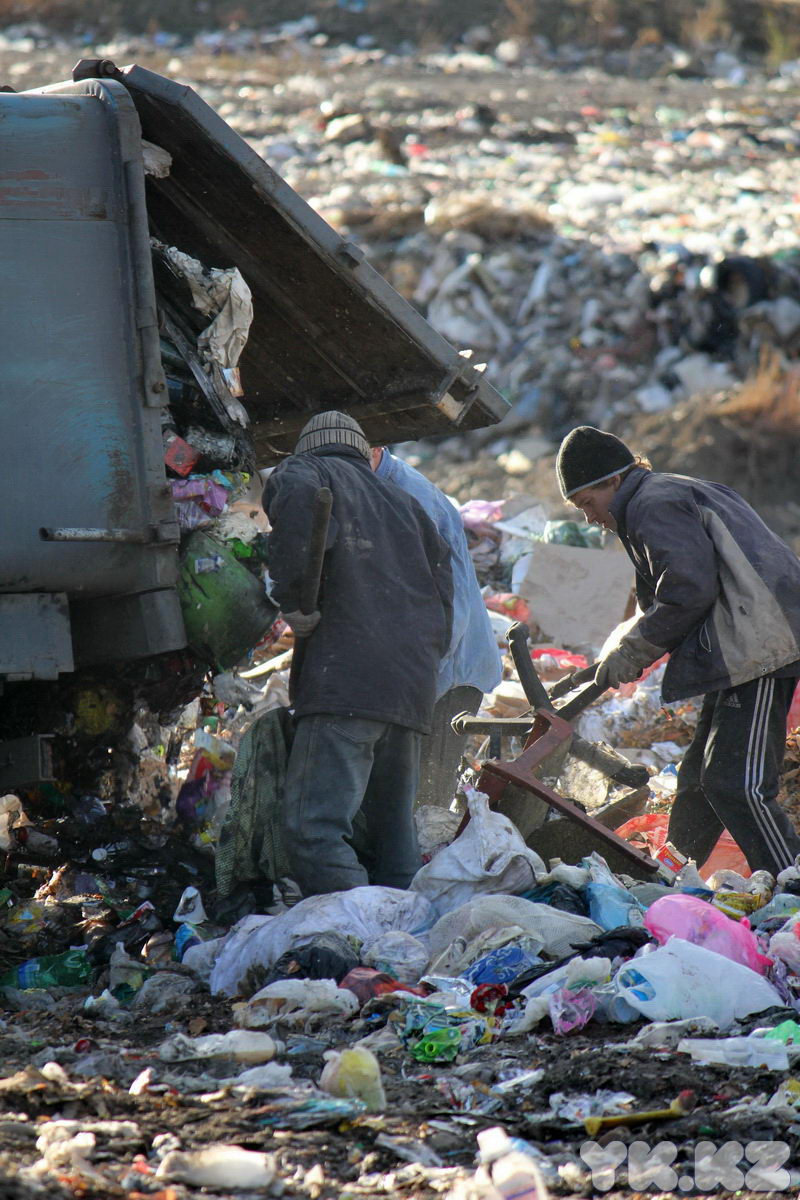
[472,658]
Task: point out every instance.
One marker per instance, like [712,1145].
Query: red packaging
[366,982]
[180,457]
[509,605]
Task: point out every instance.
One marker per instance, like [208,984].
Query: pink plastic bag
[699,922]
[478,516]
[571,1010]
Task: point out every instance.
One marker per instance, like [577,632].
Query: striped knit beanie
[331,429]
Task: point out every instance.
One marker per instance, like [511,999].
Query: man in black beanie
[367,684]
[720,592]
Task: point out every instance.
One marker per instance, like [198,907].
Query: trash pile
[562,245]
[449,1032]
[209,456]
[176,1017]
[170,1023]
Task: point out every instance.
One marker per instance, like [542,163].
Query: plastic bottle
[354,1073]
[439,1045]
[611,1006]
[70,969]
[513,1172]
[701,923]
[35,842]
[737,1052]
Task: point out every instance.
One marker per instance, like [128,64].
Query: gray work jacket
[718,589]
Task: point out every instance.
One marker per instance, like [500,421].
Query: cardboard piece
[577,596]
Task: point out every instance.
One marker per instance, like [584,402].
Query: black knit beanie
[588,456]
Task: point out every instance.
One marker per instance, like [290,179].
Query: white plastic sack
[558,932]
[489,856]
[401,955]
[200,959]
[363,913]
[293,1000]
[683,980]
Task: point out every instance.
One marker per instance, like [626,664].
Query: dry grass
[485,217]
[522,18]
[781,35]
[768,399]
[709,24]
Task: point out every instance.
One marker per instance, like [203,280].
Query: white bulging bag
[489,856]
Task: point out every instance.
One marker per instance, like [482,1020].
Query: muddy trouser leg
[694,827]
[326,781]
[442,749]
[388,805]
[742,767]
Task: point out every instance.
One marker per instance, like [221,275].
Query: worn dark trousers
[341,767]
[442,749]
[730,775]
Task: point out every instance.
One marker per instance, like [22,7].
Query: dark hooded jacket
[718,589]
[386,593]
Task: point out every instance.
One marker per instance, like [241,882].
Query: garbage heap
[173,1022]
[443,1038]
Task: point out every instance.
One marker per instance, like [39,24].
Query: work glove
[617,667]
[302,624]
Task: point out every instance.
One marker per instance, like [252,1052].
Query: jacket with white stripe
[717,588]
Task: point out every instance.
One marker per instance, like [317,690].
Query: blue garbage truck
[108,181]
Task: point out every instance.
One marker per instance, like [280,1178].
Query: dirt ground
[422,1113]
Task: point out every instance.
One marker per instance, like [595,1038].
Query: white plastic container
[514,1173]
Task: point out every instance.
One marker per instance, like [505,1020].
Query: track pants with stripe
[730,775]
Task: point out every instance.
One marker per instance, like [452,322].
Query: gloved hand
[302,624]
[617,667]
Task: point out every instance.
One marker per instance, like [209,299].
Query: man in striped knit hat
[371,651]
